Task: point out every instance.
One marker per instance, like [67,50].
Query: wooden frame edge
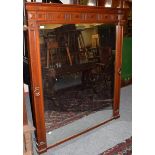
[81,133]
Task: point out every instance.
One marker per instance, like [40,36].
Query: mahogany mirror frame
[47,13]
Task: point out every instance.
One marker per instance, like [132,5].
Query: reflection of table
[75,68]
[86,72]
[67,69]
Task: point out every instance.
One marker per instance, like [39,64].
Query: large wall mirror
[75,63]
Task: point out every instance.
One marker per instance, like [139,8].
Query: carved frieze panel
[47,13]
[41,15]
[53,17]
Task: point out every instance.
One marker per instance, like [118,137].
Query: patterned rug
[72,103]
[124,148]
[75,103]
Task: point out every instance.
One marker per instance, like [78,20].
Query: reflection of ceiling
[50,26]
[86,26]
[78,26]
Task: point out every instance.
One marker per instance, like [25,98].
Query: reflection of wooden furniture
[95,40]
[50,45]
[54,45]
[38,14]
[71,40]
[83,49]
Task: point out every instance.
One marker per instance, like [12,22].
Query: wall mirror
[75,65]
[77,62]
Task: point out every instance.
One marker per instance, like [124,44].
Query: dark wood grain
[81,133]
[118,64]
[36,86]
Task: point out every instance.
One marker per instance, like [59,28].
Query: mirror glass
[78,77]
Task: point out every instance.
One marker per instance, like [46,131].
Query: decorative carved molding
[31,16]
[36,81]
[53,17]
[116,113]
[54,13]
[40,143]
[41,15]
[32,25]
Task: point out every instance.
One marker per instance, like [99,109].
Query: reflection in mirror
[78,77]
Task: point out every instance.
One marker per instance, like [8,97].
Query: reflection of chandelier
[91,2]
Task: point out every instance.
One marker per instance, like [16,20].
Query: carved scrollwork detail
[41,16]
[91,16]
[67,16]
[105,16]
[84,16]
[99,17]
[53,16]
[50,16]
[31,16]
[32,24]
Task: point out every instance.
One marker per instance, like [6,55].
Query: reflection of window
[108,3]
[65,1]
[91,2]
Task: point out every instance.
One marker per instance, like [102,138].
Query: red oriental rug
[73,103]
[124,148]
